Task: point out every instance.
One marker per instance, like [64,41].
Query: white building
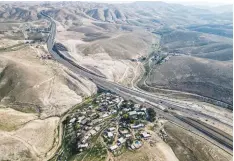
[145,135]
[105,115]
[93,132]
[137,126]
[111,129]
[137,106]
[128,135]
[121,140]
[141,113]
[110,135]
[113,148]
[132,113]
[73,120]
[83,145]
[80,119]
[97,128]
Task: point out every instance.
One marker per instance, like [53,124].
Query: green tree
[125,117]
[151,114]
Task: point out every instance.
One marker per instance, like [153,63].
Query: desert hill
[26,90]
[210,78]
[198,44]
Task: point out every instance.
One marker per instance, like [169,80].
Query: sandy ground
[153,149]
[11,119]
[7,42]
[13,149]
[32,141]
[159,151]
[40,134]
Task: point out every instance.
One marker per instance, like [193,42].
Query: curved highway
[128,93]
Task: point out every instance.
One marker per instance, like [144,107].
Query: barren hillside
[31,84]
[209,78]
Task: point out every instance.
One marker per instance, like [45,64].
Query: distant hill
[146,14]
[198,44]
[8,13]
[205,77]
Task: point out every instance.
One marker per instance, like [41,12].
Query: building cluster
[90,120]
[121,123]
[38,30]
[45,56]
[128,129]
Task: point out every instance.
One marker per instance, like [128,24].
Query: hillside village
[121,124]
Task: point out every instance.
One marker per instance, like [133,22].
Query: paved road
[140,96]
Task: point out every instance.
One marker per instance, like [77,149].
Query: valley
[67,52]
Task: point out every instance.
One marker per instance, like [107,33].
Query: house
[78,134]
[86,128]
[72,120]
[132,147]
[83,122]
[126,109]
[91,106]
[85,138]
[121,140]
[137,126]
[105,115]
[136,145]
[128,135]
[110,135]
[90,124]
[132,113]
[93,132]
[113,111]
[97,128]
[83,145]
[136,106]
[95,121]
[145,135]
[93,115]
[111,129]
[141,113]
[123,132]
[113,147]
[143,109]
[80,119]
[83,112]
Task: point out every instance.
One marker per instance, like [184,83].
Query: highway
[128,93]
